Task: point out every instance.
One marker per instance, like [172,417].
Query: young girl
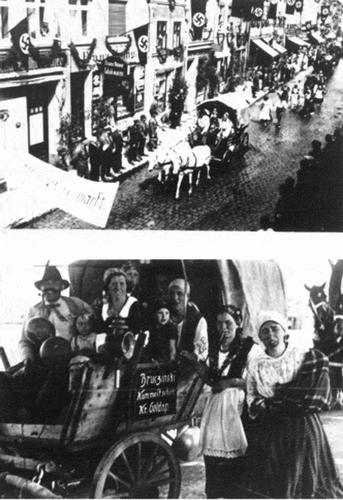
[163,335]
[84,338]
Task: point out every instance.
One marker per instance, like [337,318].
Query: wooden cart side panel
[99,401]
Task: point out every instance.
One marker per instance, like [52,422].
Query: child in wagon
[84,339]
[163,334]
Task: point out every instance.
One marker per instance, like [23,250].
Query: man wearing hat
[80,156]
[59,310]
[192,326]
[60,160]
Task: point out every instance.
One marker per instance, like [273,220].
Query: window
[162,34]
[177,34]
[117,17]
[39,24]
[4,34]
[78,13]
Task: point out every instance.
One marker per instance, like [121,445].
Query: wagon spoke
[161,482]
[128,467]
[118,479]
[158,468]
[139,460]
[149,461]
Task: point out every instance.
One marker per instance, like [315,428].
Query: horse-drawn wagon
[121,433]
[225,146]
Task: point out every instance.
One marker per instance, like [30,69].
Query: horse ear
[308,288]
[323,286]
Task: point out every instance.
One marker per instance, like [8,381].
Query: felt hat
[51,273]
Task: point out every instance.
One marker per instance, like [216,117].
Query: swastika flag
[21,39]
[141,37]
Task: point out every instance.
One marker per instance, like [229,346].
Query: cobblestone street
[234,199]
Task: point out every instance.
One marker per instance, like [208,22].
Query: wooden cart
[116,439]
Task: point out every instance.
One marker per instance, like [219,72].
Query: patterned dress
[289,455]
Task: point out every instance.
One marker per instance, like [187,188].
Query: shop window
[177,34]
[78,14]
[162,34]
[4,34]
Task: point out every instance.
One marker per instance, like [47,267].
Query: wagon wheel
[139,466]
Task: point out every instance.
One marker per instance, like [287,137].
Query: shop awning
[265,48]
[317,37]
[279,48]
[298,41]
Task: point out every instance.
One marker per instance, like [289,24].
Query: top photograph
[222,115]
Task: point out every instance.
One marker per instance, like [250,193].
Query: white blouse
[265,372]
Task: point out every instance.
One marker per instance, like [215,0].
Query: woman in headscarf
[289,455]
[223,440]
[116,311]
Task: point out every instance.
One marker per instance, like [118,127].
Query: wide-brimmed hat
[51,273]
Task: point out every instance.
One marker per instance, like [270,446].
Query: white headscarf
[275,316]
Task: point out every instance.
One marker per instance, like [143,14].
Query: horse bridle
[315,308]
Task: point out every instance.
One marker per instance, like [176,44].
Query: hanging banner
[141,37]
[21,40]
[238,8]
[290,6]
[35,187]
[198,18]
[325,11]
[272,9]
[256,11]
[299,4]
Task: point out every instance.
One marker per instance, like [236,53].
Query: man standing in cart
[192,326]
[59,310]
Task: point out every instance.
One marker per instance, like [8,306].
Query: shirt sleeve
[254,352]
[201,340]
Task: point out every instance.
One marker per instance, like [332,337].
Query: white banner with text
[35,187]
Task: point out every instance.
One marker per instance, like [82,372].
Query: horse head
[319,305]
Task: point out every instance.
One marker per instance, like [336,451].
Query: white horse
[194,160]
[182,160]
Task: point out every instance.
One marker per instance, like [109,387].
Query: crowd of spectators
[311,201]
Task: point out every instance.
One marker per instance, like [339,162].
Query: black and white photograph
[171,115]
[171,378]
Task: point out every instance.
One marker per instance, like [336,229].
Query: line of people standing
[100,158]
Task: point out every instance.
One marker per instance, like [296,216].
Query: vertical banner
[238,8]
[141,37]
[272,9]
[290,6]
[21,40]
[299,4]
[325,11]
[95,98]
[198,18]
[256,10]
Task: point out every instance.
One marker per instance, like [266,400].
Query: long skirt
[290,457]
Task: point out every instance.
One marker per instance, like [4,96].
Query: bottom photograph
[171,379]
